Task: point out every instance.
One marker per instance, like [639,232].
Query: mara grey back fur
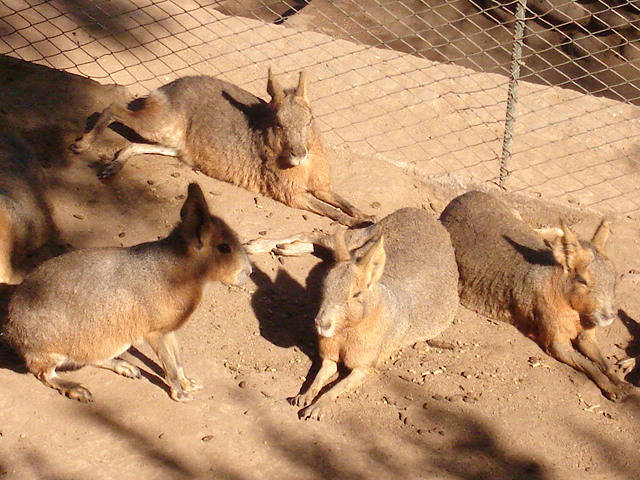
[556,293]
[89,306]
[394,283]
[25,216]
[226,132]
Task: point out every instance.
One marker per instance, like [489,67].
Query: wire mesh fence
[421,83]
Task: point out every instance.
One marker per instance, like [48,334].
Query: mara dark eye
[581,280]
[224,248]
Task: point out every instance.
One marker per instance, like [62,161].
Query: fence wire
[420,83]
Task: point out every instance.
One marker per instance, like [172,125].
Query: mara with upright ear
[556,293]
[227,133]
[25,216]
[393,284]
[89,306]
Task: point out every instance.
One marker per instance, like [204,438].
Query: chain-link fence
[421,83]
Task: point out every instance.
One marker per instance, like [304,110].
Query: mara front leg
[166,347]
[321,406]
[307,201]
[587,344]
[337,201]
[564,352]
[328,369]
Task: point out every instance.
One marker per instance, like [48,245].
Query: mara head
[294,119]
[210,242]
[349,293]
[589,276]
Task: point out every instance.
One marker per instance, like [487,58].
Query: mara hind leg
[112,168]
[44,369]
[145,116]
[166,347]
[303,243]
[293,246]
[7,255]
[147,119]
[121,367]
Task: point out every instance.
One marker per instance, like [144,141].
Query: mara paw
[79,393]
[190,385]
[627,365]
[127,370]
[294,249]
[181,396]
[80,145]
[110,170]
[315,412]
[302,400]
[620,393]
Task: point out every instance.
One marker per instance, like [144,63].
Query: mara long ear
[195,216]
[301,90]
[601,236]
[274,89]
[549,235]
[566,248]
[373,262]
[340,251]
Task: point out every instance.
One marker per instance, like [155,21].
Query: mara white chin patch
[600,321]
[298,160]
[325,332]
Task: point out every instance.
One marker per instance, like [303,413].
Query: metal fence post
[512,94]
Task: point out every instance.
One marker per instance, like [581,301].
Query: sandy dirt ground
[480,401]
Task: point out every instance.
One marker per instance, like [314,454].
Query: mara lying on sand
[557,293]
[227,133]
[393,284]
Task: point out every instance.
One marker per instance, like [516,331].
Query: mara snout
[88,306]
[272,148]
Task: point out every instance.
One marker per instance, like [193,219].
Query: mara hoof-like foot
[302,400]
[316,411]
[78,392]
[124,368]
[190,385]
[620,393]
[627,365]
[110,170]
[80,145]
[181,396]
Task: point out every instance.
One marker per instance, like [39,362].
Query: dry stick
[512,94]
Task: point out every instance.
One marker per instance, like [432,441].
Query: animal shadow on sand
[633,349]
[286,310]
